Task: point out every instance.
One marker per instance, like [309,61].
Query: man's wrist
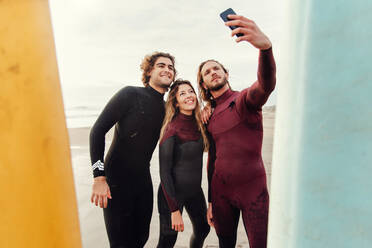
[100,179]
[176,212]
[98,169]
[266,47]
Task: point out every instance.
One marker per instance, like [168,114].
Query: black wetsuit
[137,114]
[181,161]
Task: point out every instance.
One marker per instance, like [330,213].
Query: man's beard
[219,86]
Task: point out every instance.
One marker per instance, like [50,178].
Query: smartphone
[224,14]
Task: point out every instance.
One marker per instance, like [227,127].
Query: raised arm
[256,95]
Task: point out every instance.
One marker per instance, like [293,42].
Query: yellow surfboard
[37,198]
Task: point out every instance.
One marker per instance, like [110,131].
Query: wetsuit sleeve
[112,113]
[166,149]
[210,165]
[257,95]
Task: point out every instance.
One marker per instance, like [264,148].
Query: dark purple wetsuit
[181,161]
[236,174]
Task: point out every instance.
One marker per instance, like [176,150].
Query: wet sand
[91,218]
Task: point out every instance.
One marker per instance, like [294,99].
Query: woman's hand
[177,221]
[100,192]
[210,215]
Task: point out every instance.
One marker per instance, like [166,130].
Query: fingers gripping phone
[224,14]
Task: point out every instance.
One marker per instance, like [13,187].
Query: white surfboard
[322,162]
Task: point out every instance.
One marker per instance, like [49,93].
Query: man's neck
[219,92]
[159,89]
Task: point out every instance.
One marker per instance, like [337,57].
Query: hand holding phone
[249,31]
[224,17]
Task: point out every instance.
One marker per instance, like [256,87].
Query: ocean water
[83,104]
[81,116]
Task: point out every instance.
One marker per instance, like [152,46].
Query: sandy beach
[91,218]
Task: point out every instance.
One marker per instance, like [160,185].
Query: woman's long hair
[171,111]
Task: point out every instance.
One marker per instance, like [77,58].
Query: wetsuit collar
[224,96]
[185,117]
[155,92]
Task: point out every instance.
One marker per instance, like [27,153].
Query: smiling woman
[182,142]
[186,99]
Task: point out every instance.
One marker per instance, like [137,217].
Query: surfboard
[321,173]
[38,202]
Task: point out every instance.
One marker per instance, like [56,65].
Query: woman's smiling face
[186,99]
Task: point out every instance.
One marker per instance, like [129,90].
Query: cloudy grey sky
[100,44]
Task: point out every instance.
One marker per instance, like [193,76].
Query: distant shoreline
[265,109]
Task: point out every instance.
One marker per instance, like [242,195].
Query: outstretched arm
[256,95]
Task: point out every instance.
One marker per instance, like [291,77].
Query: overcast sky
[101,43]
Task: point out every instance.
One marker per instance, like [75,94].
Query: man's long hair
[204,94]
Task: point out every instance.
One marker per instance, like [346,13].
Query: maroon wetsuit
[236,174]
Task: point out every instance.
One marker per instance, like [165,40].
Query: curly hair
[148,63]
